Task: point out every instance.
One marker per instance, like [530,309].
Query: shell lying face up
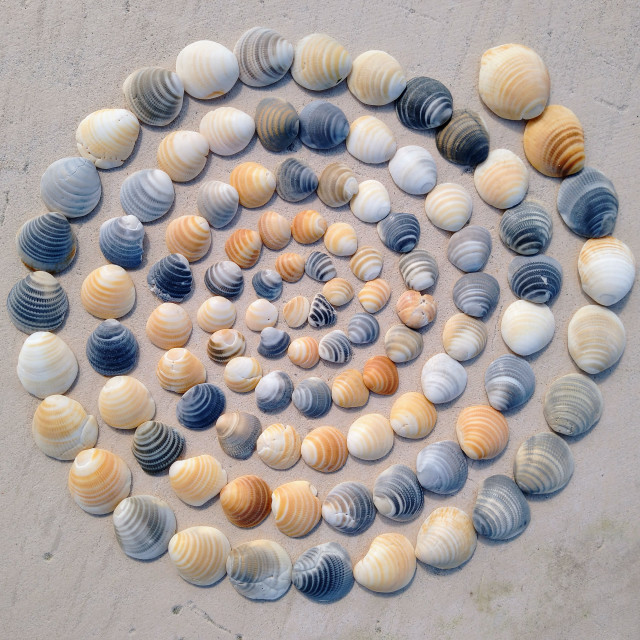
[279,446]
[189,236]
[295,180]
[501,180]
[264,56]
[476,294]
[464,139]
[363,329]
[443,379]
[277,123]
[227,130]
[125,403]
[246,501]
[321,312]
[374,295]
[169,326]
[442,467]
[341,239]
[376,78]
[349,508]
[380,375]
[323,125]
[337,184]
[290,266]
[402,344]
[338,291]
[242,374]
[483,432]
[156,446]
[225,344]
[308,226]
[312,397]
[147,194]
[216,313]
[121,241]
[201,406]
[217,203]
[535,278]
[154,95]
[509,382]
[527,228]
[171,278]
[414,170]
[274,391]
[182,155]
[501,511]
[425,104]
[260,314]
[243,247]
[449,206]
[470,248]
[370,140]
[388,566]
[71,186]
[325,449]
[108,292]
[320,267]
[418,269]
[179,370]
[397,493]
[46,243]
[527,327]
[335,347]
[366,263]
[197,480]
[372,202]
[370,437]
[323,573]
[572,404]
[320,62]
[296,508]
[238,433]
[273,342]
[348,390]
[112,349]
[412,416]
[225,279]
[296,311]
[464,337]
[254,183]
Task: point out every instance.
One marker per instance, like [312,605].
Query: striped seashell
[227,130]
[418,269]
[425,104]
[273,342]
[189,236]
[470,248]
[399,232]
[169,326]
[178,370]
[296,508]
[154,95]
[371,203]
[274,391]
[290,266]
[277,123]
[260,314]
[464,139]
[323,573]
[267,284]
[348,390]
[225,345]
[482,432]
[370,437]
[449,206]
[321,313]
[402,344]
[337,184]
[264,56]
[98,481]
[125,403]
[107,137]
[501,511]
[242,374]
[446,539]
[62,429]
[112,349]
[320,62]
[374,295]
[147,194]
[370,140]
[320,267]
[366,263]
[217,203]
[413,416]
[308,226]
[363,329]
[476,294]
[527,228]
[380,375]
[312,397]
[108,292]
[207,69]
[156,446]
[509,382]
[340,239]
[349,508]
[501,180]
[171,278]
[243,247]
[274,230]
[225,279]
[254,183]
[238,432]
[416,310]
[464,337]
[121,241]
[388,566]
[182,155]
[197,480]
[335,347]
[442,467]
[303,352]
[338,291]
[296,311]
[46,365]
[554,142]
[71,186]
[323,125]
[443,379]
[527,327]
[46,243]
[397,493]
[216,313]
[535,278]
[200,555]
[414,170]
[246,501]
[295,180]
[325,449]
[279,446]
[201,406]
[376,78]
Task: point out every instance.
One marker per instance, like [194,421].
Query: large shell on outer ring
[399,232]
[125,403]
[348,390]
[426,103]
[274,391]
[154,95]
[370,140]
[227,130]
[279,446]
[337,184]
[189,236]
[502,180]
[349,508]
[308,226]
[169,326]
[476,294]
[246,501]
[108,292]
[464,337]
[274,230]
[156,446]
[71,186]
[182,155]
[376,78]
[121,241]
[147,194]
[509,382]
[412,416]
[254,183]
[217,203]
[312,397]
[397,493]
[303,352]
[527,327]
[200,555]
[242,374]
[264,56]
[323,573]
[535,278]
[197,480]
[414,170]
[470,248]
[372,202]
[443,379]
[178,370]
[418,269]
[483,432]
[325,449]
[243,247]
[296,508]
[402,344]
[238,433]
[527,228]
[295,180]
[46,243]
[171,278]
[320,62]
[442,468]
[464,139]
[370,437]
[323,125]
[225,344]
[112,348]
[449,206]
[225,279]
[277,123]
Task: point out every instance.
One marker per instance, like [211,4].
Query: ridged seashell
[501,511]
[335,347]
[242,374]
[37,303]
[372,202]
[243,247]
[320,62]
[112,349]
[321,313]
[225,279]
[370,437]
[348,390]
[370,140]
[374,295]
[349,508]
[46,243]
[71,186]
[279,446]
[397,493]
[259,570]
[296,311]
[227,130]
[572,404]
[341,239]
[106,137]
[320,267]
[449,206]
[535,278]
[295,180]
[290,266]
[425,104]
[464,337]
[514,82]
[156,446]
[46,365]
[470,248]
[273,342]
[169,326]
[337,185]
[197,480]
[189,236]
[527,228]
[443,379]
[399,232]
[238,432]
[246,501]
[418,269]
[125,403]
[442,467]
[312,397]
[296,508]
[207,69]
[216,313]
[108,292]
[323,573]
[464,139]
[277,123]
[303,352]
[476,294]
[380,375]
[254,183]
[509,382]
[182,155]
[416,310]
[389,565]
[482,432]
[171,278]
[414,170]
[147,194]
[323,125]
[325,449]
[402,344]
[366,263]
[554,142]
[121,241]
[98,481]
[225,344]
[308,226]
[446,539]
[413,416]
[527,327]
[264,56]
[338,291]
[200,406]
[376,78]
[260,314]
[62,429]
[267,284]
[154,95]
[502,180]
[363,329]
[178,370]
[274,391]
[217,203]
[200,555]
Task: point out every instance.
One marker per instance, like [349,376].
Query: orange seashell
[374,295]
[380,375]
[179,370]
[243,247]
[108,292]
[125,403]
[254,183]
[464,337]
[308,226]
[348,389]
[274,230]
[216,313]
[190,236]
[246,501]
[296,508]
[290,266]
[303,352]
[325,449]
[482,432]
[366,263]
[415,309]
[197,480]
[225,344]
[169,326]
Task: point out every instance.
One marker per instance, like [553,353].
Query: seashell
[371,203]
[449,206]
[197,480]
[243,247]
[169,326]
[267,284]
[227,130]
[464,139]
[425,104]
[501,511]
[200,406]
[402,344]
[303,352]
[527,327]
[363,329]
[325,449]
[125,403]
[98,481]
[446,539]
[242,374]
[144,525]
[443,379]
[320,62]
[156,446]
[370,140]
[246,501]
[323,125]
[296,311]
[554,142]
[225,345]
[147,194]
[414,170]
[112,349]
[225,279]
[366,263]
[501,180]
[121,241]
[320,267]
[535,278]
[254,183]
[182,155]
[527,228]
[388,566]
[274,391]
[476,294]
[464,337]
[171,278]
[335,347]
[442,467]
[340,239]
[260,314]
[207,69]
[338,291]
[323,573]
[279,446]
[238,432]
[470,248]
[596,338]
[349,508]
[374,295]
[509,382]
[189,236]
[154,95]
[46,243]
[178,370]
[217,203]
[108,292]
[295,180]
[413,416]
[290,266]
[37,303]
[273,342]
[308,226]
[418,269]
[312,397]
[62,429]
[259,570]
[277,123]
[416,310]
[296,508]
[200,555]
[71,186]
[216,313]
[482,432]
[321,313]
[376,78]
[46,365]
[397,493]
[264,56]
[348,390]
[399,232]
[107,137]
[370,437]
[337,185]
[572,404]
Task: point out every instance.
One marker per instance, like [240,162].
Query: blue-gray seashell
[267,284]
[147,194]
[154,95]
[397,493]
[363,329]
[46,243]
[470,248]
[295,180]
[476,294]
[312,397]
[399,232]
[71,186]
[156,446]
[264,56]
[238,432]
[321,313]
[501,510]
[319,266]
[121,241]
[424,104]
[442,467]
[527,228]
[464,139]
[323,125]
[277,123]
[273,342]
[224,279]
[273,392]
[112,349]
[335,347]
[535,278]
[171,279]
[349,508]
[323,573]
[217,203]
[509,382]
[418,269]
[200,406]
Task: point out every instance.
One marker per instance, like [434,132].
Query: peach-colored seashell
[225,344]
[380,375]
[482,432]
[337,184]
[413,416]
[308,226]
[348,390]
[376,78]
[502,180]
[279,446]
[449,206]
[338,291]
[370,140]
[366,263]
[189,236]
[246,501]
[197,480]
[370,437]
[296,508]
[242,374]
[340,239]
[290,266]
[389,564]
[374,295]
[108,292]
[303,352]
[125,403]
[182,155]
[464,337]
[325,449]
[296,311]
[415,309]
[254,183]
[243,247]
[274,230]
[169,326]
[216,313]
[261,314]
[179,370]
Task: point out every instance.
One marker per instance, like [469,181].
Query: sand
[572,574]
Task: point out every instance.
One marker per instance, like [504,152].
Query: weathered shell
[242,374]
[121,241]
[320,62]
[464,139]
[509,382]
[154,95]
[274,230]
[238,432]
[335,347]
[225,279]
[501,511]
[418,269]
[216,313]
[197,480]
[308,226]
[349,508]
[182,155]
[217,203]
[227,130]
[464,337]
[156,446]
[397,493]
[449,206]
[325,449]
[296,508]
[260,314]
[535,278]
[200,555]
[277,123]
[416,310]
[246,501]
[380,375]
[399,232]
[527,327]
[527,228]
[273,342]
[46,243]
[189,236]
[402,344]
[476,294]
[442,467]
[200,406]
[482,432]
[366,263]
[125,403]
[147,194]
[414,170]
[502,180]
[178,370]
[296,311]
[572,404]
[376,78]
[372,202]
[374,295]
[370,140]
[254,183]
[312,397]
[341,239]
[226,344]
[71,186]
[243,247]
[320,267]
[370,437]
[264,56]
[323,573]
[348,390]
[321,313]
[108,292]
[171,278]
[443,379]
[279,446]
[413,416]
[112,349]
[323,125]
[169,326]
[470,248]
[295,180]
[290,266]
[363,329]
[425,104]
[338,291]
[337,184]
[274,391]
[303,352]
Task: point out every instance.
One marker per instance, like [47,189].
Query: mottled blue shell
[156,446]
[273,392]
[501,511]
[399,232]
[424,104]
[476,294]
[397,493]
[312,397]
[121,241]
[349,508]
[112,349]
[71,186]
[171,279]
[536,278]
[527,228]
[442,467]
[323,125]
[224,279]
[363,329]
[267,284]
[46,243]
[509,382]
[200,406]
[273,342]
[323,573]
[295,180]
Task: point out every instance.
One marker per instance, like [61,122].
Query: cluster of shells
[514,83]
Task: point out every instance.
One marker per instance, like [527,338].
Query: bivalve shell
[201,406]
[380,375]
[464,337]
[273,342]
[46,243]
[366,263]
[418,269]
[320,62]
[527,327]
[121,241]
[370,140]
[171,278]
[464,139]
[217,203]
[243,247]
[376,78]
[321,313]
[154,95]
[470,248]
[509,382]
[449,206]
[363,329]
[527,228]
[246,501]
[413,416]
[267,284]
[290,266]
[156,446]
[225,279]
[399,232]
[535,278]
[260,314]
[112,349]
[323,573]
[501,511]
[371,203]
[335,347]
[147,194]
[476,294]
[108,292]
[482,432]
[323,125]
[178,370]
[169,326]
[296,508]
[502,180]
[348,390]
[442,467]
[226,344]
[402,344]
[296,311]
[274,391]
[264,56]
[397,493]
[182,155]
[443,379]
[337,184]
[338,292]
[254,183]
[425,104]
[374,295]
[416,310]
[71,186]
[200,555]
[341,239]
[227,130]
[125,403]
[216,313]
[325,449]
[349,508]
[312,397]
[295,180]
[279,446]
[242,374]
[308,226]
[320,267]
[197,480]
[370,437]
[303,352]
[189,236]
[277,123]
[238,433]
[414,170]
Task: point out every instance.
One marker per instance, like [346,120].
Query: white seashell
[443,379]
[320,62]
[279,446]
[274,392]
[370,140]
[413,416]
[527,327]
[182,155]
[242,374]
[200,555]
[227,130]
[449,206]
[260,314]
[370,437]
[178,370]
[502,180]
[218,203]
[464,337]
[296,311]
[207,69]
[216,313]
[376,78]
[71,186]
[414,170]
[402,344]
[372,202]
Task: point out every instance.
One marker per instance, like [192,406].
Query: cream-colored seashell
[338,291]
[348,390]
[179,370]
[207,69]
[325,449]
[502,180]
[366,263]
[108,292]
[182,155]
[370,437]
[371,203]
[296,508]
[227,130]
[125,403]
[376,78]
[197,480]
[413,416]
[370,140]
[449,206]
[464,337]
[169,326]
[242,374]
[216,313]
[107,137]
[189,236]
[308,226]
[279,446]
[389,565]
[482,432]
[402,344]
[303,352]
[254,183]
[320,62]
[527,327]
[290,266]
[243,247]
[414,170]
[442,378]
[340,239]
[374,295]
[274,230]
[246,501]
[260,314]
[415,309]
[337,184]
[296,311]
[225,344]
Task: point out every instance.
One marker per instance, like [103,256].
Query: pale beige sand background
[574,571]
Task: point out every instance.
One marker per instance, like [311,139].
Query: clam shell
[71,186]
[501,180]
[341,239]
[380,375]
[449,206]
[349,508]
[535,278]
[308,226]
[147,194]
[279,446]
[320,267]
[217,203]
[169,326]
[290,266]
[572,404]
[189,236]
[125,403]
[442,467]
[242,374]
[154,95]
[470,248]
[121,241]
[46,243]
[464,337]
[108,292]
[62,429]
[98,481]
[243,247]
[296,508]
[303,352]
[416,310]
[418,269]
[414,170]
[197,480]
[476,294]
[337,184]
[216,313]
[527,327]
[413,416]
[370,437]
[246,501]
[325,449]
[348,390]
[366,263]
[295,180]
[509,382]
[363,329]
[370,140]
[323,125]
[376,78]
[296,311]
[321,313]
[171,278]
[264,56]
[320,62]
[254,183]
[338,291]
[106,137]
[443,379]
[501,511]
[312,397]
[227,130]
[37,303]
[323,573]
[178,370]
[483,432]
[182,155]
[425,104]
[238,432]
[374,295]
[335,347]
[156,446]
[397,493]
[273,342]
[267,284]
[200,406]
[277,123]
[112,349]
[371,203]
[226,344]
[402,344]
[274,391]
[260,314]
[46,365]
[527,228]
[225,279]
[200,555]
[464,139]
[399,232]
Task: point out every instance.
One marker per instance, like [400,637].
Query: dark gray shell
[424,104]
[442,467]
[273,392]
[399,232]
[501,510]
[121,241]
[476,294]
[349,508]
[277,123]
[154,95]
[335,347]
[321,312]
[397,493]
[273,342]
[363,329]
[200,406]
[527,228]
[320,267]
[264,56]
[156,446]
[217,203]
[509,382]
[323,573]
[112,349]
[312,397]
[267,284]
[535,278]
[171,279]
[464,139]
[46,243]
[71,186]
[224,279]
[238,432]
[323,125]
[418,269]
[295,180]
[470,248]
[147,194]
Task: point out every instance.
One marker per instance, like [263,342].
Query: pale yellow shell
[246,501]
[279,446]
[464,337]
[366,263]
[303,352]
[296,311]
[179,370]
[340,239]
[296,508]
[370,437]
[274,230]
[527,327]
[337,184]
[338,291]
[502,180]
[290,266]
[108,292]
[413,416]
[370,140]
[260,314]
[125,403]
[216,313]
[197,480]
[389,564]
[449,206]
[320,62]
[225,344]
[169,326]
[243,247]
[482,432]
[242,374]
[371,203]
[348,390]
[374,295]
[189,236]
[308,226]
[325,449]
[227,130]
[254,183]
[416,309]
[182,155]
[402,344]
[376,78]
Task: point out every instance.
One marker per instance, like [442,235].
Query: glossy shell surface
[320,62]
[443,379]
[112,348]
[124,403]
[171,278]
[425,104]
[182,155]
[200,554]
[264,56]
[397,493]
